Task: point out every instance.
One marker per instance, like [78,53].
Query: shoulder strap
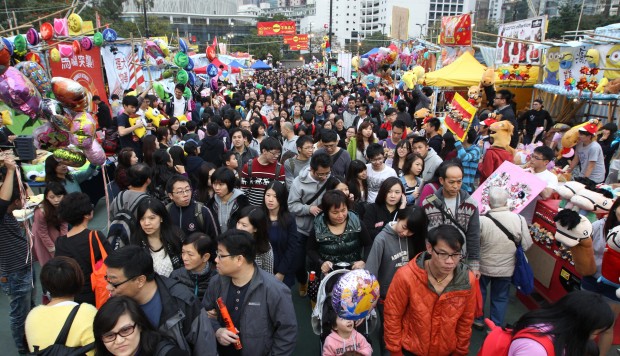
[64,332]
[335,158]
[250,171]
[437,204]
[544,340]
[198,214]
[318,193]
[135,203]
[503,228]
[277,173]
[292,165]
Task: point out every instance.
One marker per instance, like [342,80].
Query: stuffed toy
[474,95]
[488,77]
[501,134]
[597,201]
[139,132]
[571,137]
[570,189]
[157,118]
[613,87]
[575,232]
[422,114]
[610,267]
[419,74]
[499,152]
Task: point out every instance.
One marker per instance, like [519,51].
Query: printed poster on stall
[455,30]
[119,68]
[563,65]
[84,68]
[522,186]
[510,52]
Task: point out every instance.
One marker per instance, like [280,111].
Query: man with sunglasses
[168,304]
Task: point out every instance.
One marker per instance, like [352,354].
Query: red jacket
[420,321]
[492,159]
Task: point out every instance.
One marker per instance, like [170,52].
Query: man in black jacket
[186,213]
[212,146]
[503,105]
[532,119]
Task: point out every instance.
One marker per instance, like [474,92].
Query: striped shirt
[254,186]
[14,249]
[470,157]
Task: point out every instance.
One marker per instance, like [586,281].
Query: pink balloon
[95,154]
[19,93]
[46,136]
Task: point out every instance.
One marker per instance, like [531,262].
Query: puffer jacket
[433,325]
[497,251]
[304,187]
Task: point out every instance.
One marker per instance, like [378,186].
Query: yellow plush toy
[474,95]
[140,132]
[409,78]
[419,73]
[501,132]
[488,77]
[157,118]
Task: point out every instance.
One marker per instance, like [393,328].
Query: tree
[566,21]
[157,27]
[377,39]
[28,11]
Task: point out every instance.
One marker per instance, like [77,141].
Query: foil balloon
[5,57]
[109,35]
[8,44]
[164,47]
[46,31]
[225,73]
[159,90]
[19,93]
[46,136]
[76,46]
[53,111]
[95,154]
[168,73]
[61,27]
[190,64]
[355,295]
[212,70]
[86,43]
[210,53]
[98,39]
[66,51]
[71,94]
[182,45]
[182,77]
[37,76]
[55,55]
[187,93]
[20,45]
[214,84]
[74,23]
[181,59]
[70,156]
[32,36]
[33,57]
[191,78]
[83,124]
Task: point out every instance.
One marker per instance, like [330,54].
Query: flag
[136,76]
[214,42]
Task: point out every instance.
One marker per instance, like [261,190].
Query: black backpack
[123,222]
[58,348]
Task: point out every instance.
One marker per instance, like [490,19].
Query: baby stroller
[323,304]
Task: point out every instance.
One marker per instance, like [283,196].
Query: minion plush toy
[552,67]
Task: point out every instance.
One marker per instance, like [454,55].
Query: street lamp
[422,25]
[146,21]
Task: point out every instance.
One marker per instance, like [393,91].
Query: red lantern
[210,53]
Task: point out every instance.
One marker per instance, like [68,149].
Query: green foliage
[377,39]
[569,17]
[157,27]
[29,11]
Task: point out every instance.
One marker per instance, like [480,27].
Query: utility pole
[146,21]
[310,40]
[329,35]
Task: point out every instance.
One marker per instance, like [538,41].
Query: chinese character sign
[510,52]
[278,28]
[119,68]
[455,30]
[296,39]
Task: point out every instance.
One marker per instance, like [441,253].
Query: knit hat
[571,227]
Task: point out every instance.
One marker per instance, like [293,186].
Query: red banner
[278,28]
[298,47]
[295,39]
[460,117]
[455,30]
[84,68]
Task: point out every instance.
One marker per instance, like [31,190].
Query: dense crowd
[235,196]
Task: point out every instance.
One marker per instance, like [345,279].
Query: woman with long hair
[121,328]
[411,178]
[570,323]
[163,137]
[390,199]
[178,158]
[356,179]
[258,134]
[448,148]
[203,191]
[358,144]
[282,232]
[403,148]
[341,131]
[126,158]
[149,145]
[159,235]
[47,226]
[254,220]
[163,170]
[59,172]
[175,134]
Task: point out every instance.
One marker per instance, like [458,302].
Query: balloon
[66,51]
[182,45]
[47,31]
[75,23]
[191,78]
[71,94]
[159,90]
[76,46]
[181,59]
[187,93]
[109,35]
[98,39]
[70,156]
[8,44]
[54,112]
[5,57]
[45,136]
[60,27]
[32,36]
[259,86]
[212,70]
[83,124]
[225,73]
[95,154]
[214,84]
[33,57]
[211,53]
[190,64]
[20,45]
[86,43]
[168,73]
[164,47]
[355,294]
[19,93]
[182,77]
[36,74]
[55,55]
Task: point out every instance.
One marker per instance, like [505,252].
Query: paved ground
[307,342]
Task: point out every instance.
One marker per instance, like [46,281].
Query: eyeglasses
[323,175]
[124,332]
[378,159]
[276,154]
[537,158]
[220,256]
[183,192]
[116,285]
[444,256]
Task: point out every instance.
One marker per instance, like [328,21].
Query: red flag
[215,42]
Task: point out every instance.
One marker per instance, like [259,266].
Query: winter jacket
[268,323]
[292,168]
[390,252]
[188,220]
[228,210]
[492,159]
[192,167]
[243,158]
[376,217]
[435,143]
[497,252]
[196,282]
[467,216]
[304,187]
[183,320]
[431,162]
[211,150]
[335,345]
[435,324]
[224,136]
[286,244]
[340,162]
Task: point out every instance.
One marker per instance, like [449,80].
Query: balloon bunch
[516,73]
[383,56]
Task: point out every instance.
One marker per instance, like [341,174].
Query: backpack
[197,214]
[497,342]
[123,223]
[58,348]
[111,141]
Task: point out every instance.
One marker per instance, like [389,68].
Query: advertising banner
[510,52]
[460,117]
[276,28]
[299,47]
[119,67]
[455,30]
[295,39]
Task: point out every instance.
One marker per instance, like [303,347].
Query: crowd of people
[309,173]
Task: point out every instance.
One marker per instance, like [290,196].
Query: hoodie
[390,252]
[192,167]
[223,136]
[225,213]
[431,162]
[304,187]
[212,149]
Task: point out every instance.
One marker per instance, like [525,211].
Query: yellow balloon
[409,78]
[355,62]
[75,23]
[164,48]
[55,55]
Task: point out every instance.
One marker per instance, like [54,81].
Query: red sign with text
[299,47]
[455,30]
[295,39]
[278,28]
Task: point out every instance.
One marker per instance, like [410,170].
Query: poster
[522,186]
[460,117]
[84,68]
[119,68]
[295,39]
[509,52]
[455,30]
[299,47]
[277,28]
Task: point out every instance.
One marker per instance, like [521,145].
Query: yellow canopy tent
[466,71]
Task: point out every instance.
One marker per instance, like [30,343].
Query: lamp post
[422,25]
[146,21]
[310,40]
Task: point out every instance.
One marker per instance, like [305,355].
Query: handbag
[523,277]
[97,277]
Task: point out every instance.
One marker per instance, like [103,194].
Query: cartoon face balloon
[71,94]
[35,73]
[355,294]
[19,93]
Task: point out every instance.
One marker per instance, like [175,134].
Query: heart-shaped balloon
[70,156]
[210,53]
[47,31]
[36,74]
[98,39]
[54,112]
[212,70]
[66,51]
[71,94]
[19,93]
[61,27]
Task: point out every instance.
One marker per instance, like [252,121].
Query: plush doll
[499,152]
[570,189]
[501,134]
[488,77]
[598,201]
[419,74]
[613,87]
[157,118]
[571,137]
[610,267]
[575,232]
[422,114]
[474,95]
